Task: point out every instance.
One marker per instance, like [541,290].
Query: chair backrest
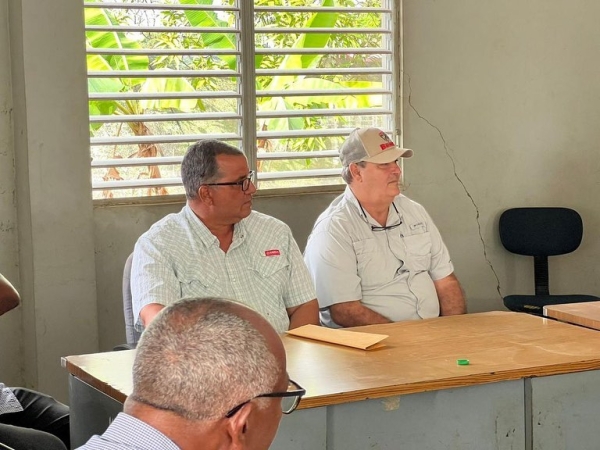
[540,232]
[133,336]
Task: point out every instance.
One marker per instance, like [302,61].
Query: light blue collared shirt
[128,433]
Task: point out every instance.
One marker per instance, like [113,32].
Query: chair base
[534,304]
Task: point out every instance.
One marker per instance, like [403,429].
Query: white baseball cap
[371,145]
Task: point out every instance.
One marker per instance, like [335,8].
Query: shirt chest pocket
[270,266]
[272,273]
[370,263]
[418,249]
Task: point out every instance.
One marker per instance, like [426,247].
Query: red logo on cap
[273,252]
[387,141]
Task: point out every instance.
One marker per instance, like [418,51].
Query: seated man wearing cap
[374,255]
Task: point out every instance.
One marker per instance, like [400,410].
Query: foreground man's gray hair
[198,358]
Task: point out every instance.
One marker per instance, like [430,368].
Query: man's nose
[251,188]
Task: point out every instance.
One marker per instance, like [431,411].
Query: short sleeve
[441,264]
[331,262]
[300,288]
[153,279]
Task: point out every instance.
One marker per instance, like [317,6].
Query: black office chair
[541,232]
[132,335]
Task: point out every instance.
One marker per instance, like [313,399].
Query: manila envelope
[355,339]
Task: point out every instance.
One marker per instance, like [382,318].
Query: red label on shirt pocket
[274,252]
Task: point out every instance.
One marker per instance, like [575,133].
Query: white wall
[503,111]
[502,108]
[54,207]
[10,324]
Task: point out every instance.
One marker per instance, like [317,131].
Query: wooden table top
[586,314]
[419,356]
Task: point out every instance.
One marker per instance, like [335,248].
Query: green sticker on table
[462,362]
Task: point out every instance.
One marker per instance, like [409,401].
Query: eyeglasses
[244,184]
[380,228]
[289,399]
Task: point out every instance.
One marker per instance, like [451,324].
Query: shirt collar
[136,433]
[209,239]
[351,198]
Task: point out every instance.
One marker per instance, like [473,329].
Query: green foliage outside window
[227,41]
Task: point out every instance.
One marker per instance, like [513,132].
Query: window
[284,80]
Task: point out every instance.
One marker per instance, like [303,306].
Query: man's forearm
[9,297]
[451,296]
[304,314]
[354,313]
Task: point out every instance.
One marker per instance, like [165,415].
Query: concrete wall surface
[501,106]
[10,324]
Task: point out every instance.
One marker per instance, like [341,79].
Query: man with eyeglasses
[217,246]
[376,256]
[208,374]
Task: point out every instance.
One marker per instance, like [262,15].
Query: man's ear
[354,170]
[204,195]
[238,427]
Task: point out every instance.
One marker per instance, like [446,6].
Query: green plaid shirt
[263,268]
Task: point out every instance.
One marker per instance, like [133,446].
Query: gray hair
[347,175]
[199,164]
[198,358]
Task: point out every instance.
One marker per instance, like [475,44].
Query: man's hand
[304,314]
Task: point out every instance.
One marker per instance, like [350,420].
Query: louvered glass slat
[320,72]
[322,113]
[139,183]
[162,95]
[174,160]
[322,30]
[163,75]
[161,51]
[160,139]
[315,92]
[157,6]
[162,30]
[165,117]
[176,181]
[328,9]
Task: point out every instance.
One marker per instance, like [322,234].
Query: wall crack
[459,179]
